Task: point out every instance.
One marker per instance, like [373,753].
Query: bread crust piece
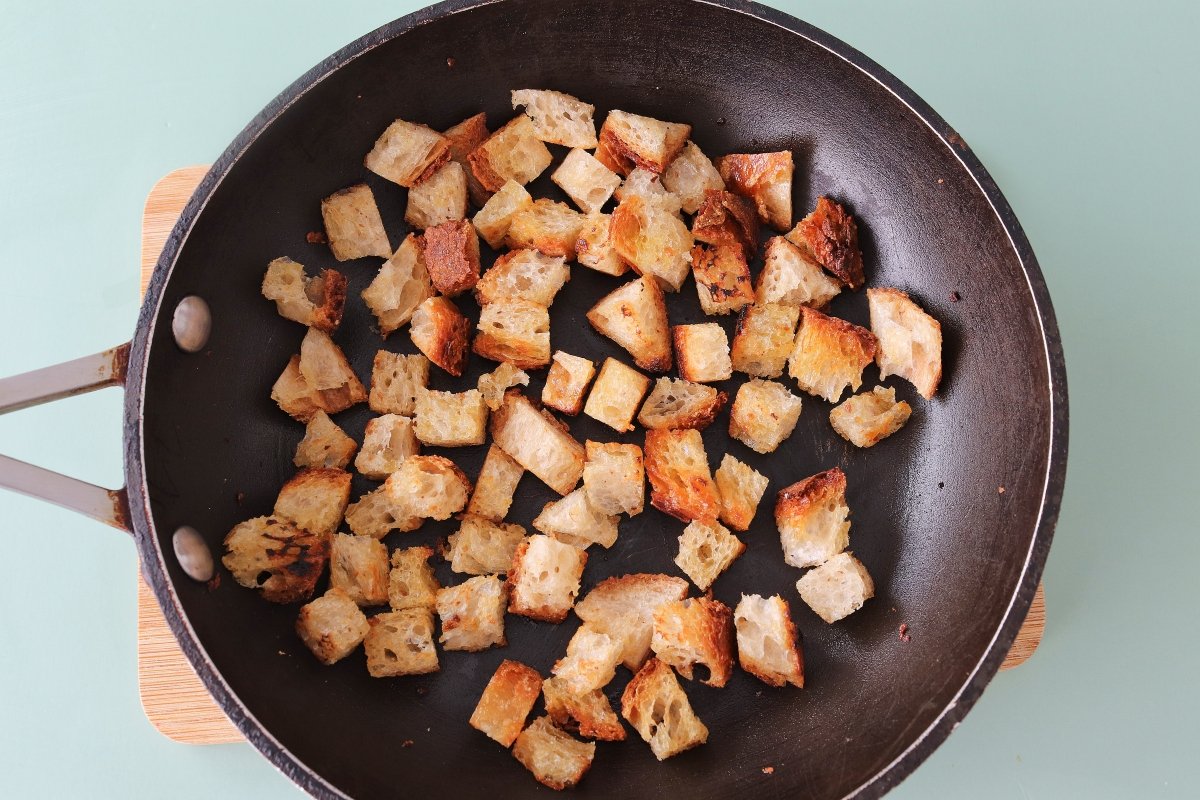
[624,606]
[616,395]
[647,142]
[428,486]
[395,382]
[591,660]
[331,626]
[292,393]
[741,488]
[293,557]
[837,588]
[707,549]
[441,332]
[690,175]
[511,153]
[831,236]
[652,241]
[538,442]
[317,301]
[910,340]
[411,582]
[452,256]
[791,276]
[401,285]
[812,519]
[324,444]
[315,499]
[407,153]
[496,484]
[830,354]
[656,706]
[678,403]
[763,415]
[401,643]
[542,598]
[353,225]
[702,352]
[514,331]
[546,226]
[358,565]
[465,137]
[680,481]
[725,218]
[472,614]
[557,117]
[695,630]
[766,178]
[594,248]
[506,702]
[495,216]
[439,199]
[757,619]
[722,279]
[483,547]
[866,419]
[567,382]
[763,339]
[634,316]
[556,759]
[334,386]
[589,714]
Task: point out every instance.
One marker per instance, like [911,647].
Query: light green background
[1085,113]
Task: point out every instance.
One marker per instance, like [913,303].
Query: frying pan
[954,556]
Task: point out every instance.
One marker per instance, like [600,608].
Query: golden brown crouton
[741,487]
[452,257]
[635,316]
[498,479]
[315,499]
[647,142]
[690,175]
[652,240]
[544,578]
[465,137]
[656,706]
[831,236]
[566,382]
[722,278]
[829,355]
[401,285]
[495,384]
[589,713]
[327,373]
[293,394]
[497,213]
[764,338]
[546,226]
[591,661]
[574,520]
[506,702]
[451,419]
[538,442]
[647,185]
[837,588]
[614,477]
[408,153]
[706,549]
[764,413]
[411,582]
[675,403]
[523,275]
[680,482]
[702,352]
[558,118]
[442,333]
[585,180]
[395,381]
[811,517]
[594,248]
[483,547]
[768,647]
[292,558]
[910,341]
[428,486]
[439,199]
[516,332]
[401,643]
[472,614]
[387,441]
[556,759]
[766,178]
[616,395]
[868,418]
[358,565]
[353,225]
[332,626]
[692,631]
[512,153]
[316,302]
[790,276]
[726,219]
[624,607]
[375,515]
[324,444]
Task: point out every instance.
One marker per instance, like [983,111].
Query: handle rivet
[191,324]
[193,553]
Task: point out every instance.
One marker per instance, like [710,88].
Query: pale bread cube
[680,481]
[594,248]
[702,352]
[291,558]
[546,226]
[388,440]
[293,394]
[868,418]
[830,236]
[514,331]
[358,565]
[766,178]
[837,588]
[791,276]
[566,382]
[401,643]
[574,520]
[408,153]
[451,419]
[523,275]
[555,758]
[591,661]
[768,647]
[353,225]
[690,175]
[706,549]
[332,626]
[764,413]
[623,607]
[812,519]
[614,477]
[645,184]
[696,630]
[513,153]
[764,338]
[452,256]
[741,488]
[395,382]
[653,241]
[634,316]
[590,713]
[493,219]
[910,341]
[472,614]
[657,708]
[616,395]
[506,702]
[440,198]
[645,141]
[558,118]
[497,482]
[431,487]
[411,582]
[316,302]
[676,403]
[585,180]
[324,444]
[830,354]
[725,219]
[483,547]
[315,499]
[544,578]
[327,373]
[400,287]
[495,384]
[441,332]
[375,515]
[538,442]
[722,278]
[465,137]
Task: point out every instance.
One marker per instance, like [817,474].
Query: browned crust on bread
[846,331]
[296,560]
[661,358]
[722,272]
[506,701]
[699,417]
[465,137]
[327,314]
[724,218]
[709,632]
[774,678]
[292,393]
[695,498]
[439,160]
[590,715]
[797,499]
[611,158]
[480,158]
[831,235]
[753,175]
[453,333]
[539,613]
[452,256]
[617,151]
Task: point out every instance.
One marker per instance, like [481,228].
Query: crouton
[512,153]
[452,257]
[538,442]
[472,614]
[514,331]
[544,578]
[764,413]
[590,713]
[290,557]
[647,142]
[401,285]
[293,394]
[395,382]
[431,487]
[566,382]
[614,477]
[624,607]
[766,178]
[829,355]
[610,158]
[837,588]
[791,277]
[555,758]
[702,352]
[868,418]
[441,332]
[574,520]
[411,582]
[724,219]
[558,118]
[647,185]
[375,515]
[722,278]
[616,395]
[331,626]
[496,215]
[763,339]
[594,248]
[498,479]
[408,153]
[358,565]
[451,419]
[692,631]
[546,226]
[675,403]
[483,547]
[465,137]
[327,373]
[585,180]
[324,444]
[741,488]
[656,706]
[652,240]
[768,647]
[690,175]
[401,643]
[495,384]
[706,549]
[635,316]
[523,275]
[388,440]
[591,661]
[315,499]
[506,702]
[316,302]
[812,519]
[353,225]
[830,236]
[910,341]
[439,199]
[680,482]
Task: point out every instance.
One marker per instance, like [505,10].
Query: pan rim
[152,556]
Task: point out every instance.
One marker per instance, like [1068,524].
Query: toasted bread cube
[497,482]
[610,158]
[766,178]
[506,702]
[591,661]
[558,118]
[516,332]
[574,520]
[497,213]
[616,395]
[483,547]
[635,316]
[706,549]
[316,302]
[293,394]
[555,758]
[451,419]
[411,582]
[692,631]
[465,137]
[544,578]
[292,558]
[647,142]
[332,626]
[656,706]
[375,515]
[614,477]
[702,352]
[585,180]
[764,413]
[441,332]
[358,565]
[653,241]
[538,442]
[722,278]
[829,355]
[725,219]
[452,256]
[590,713]
[440,198]
[763,339]
[690,175]
[327,373]
[388,440]
[546,226]
[324,444]
[401,285]
[401,643]
[910,341]
[353,225]
[315,499]
[791,277]
[766,640]
[623,607]
[680,482]
[812,519]
[647,185]
[837,588]
[408,153]
[396,380]
[566,382]
[868,418]
[495,384]
[830,236]
[431,487]
[523,275]
[741,488]
[594,248]
[675,403]
[512,153]
[472,614]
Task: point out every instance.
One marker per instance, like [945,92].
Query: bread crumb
[316,237]
[955,297]
[450,62]
[422,691]
[940,180]
[1001,490]
[768,770]
[407,743]
[904,637]
[214,582]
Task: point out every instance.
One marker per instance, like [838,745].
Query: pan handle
[110,506]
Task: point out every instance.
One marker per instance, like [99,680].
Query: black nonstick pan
[953,515]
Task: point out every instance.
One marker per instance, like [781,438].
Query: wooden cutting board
[172,696]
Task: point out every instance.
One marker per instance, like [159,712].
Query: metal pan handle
[110,506]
